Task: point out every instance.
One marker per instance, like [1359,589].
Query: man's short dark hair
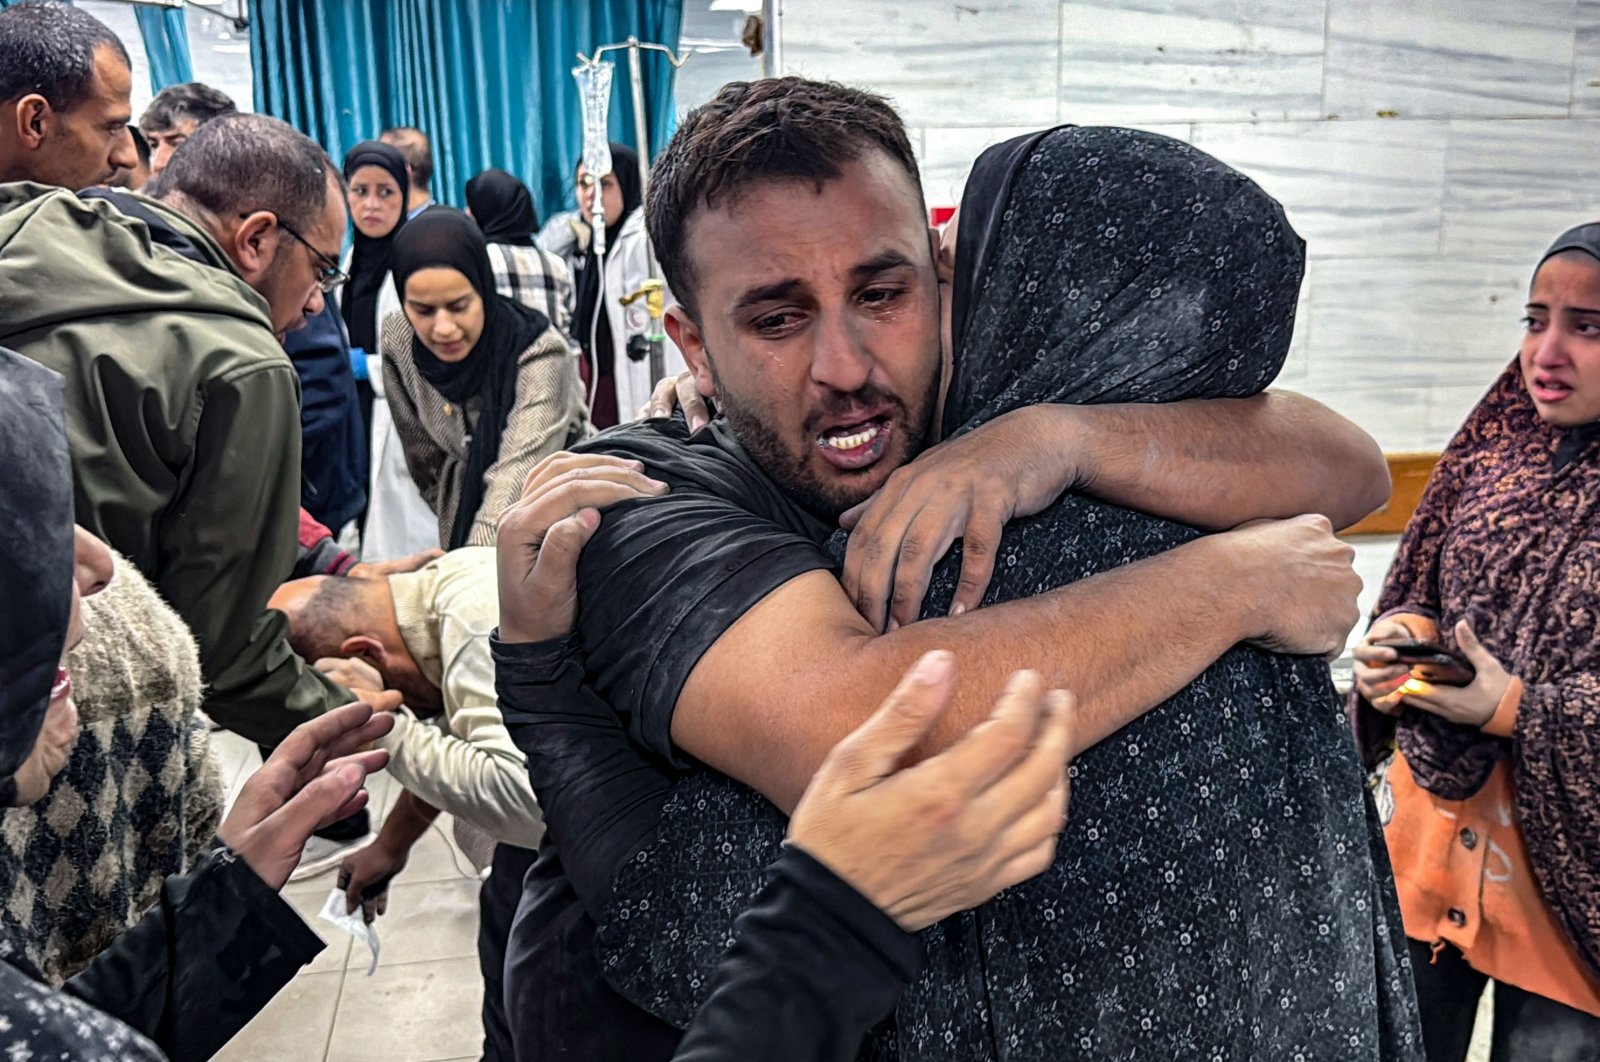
[175,103]
[48,47]
[786,128]
[414,145]
[248,162]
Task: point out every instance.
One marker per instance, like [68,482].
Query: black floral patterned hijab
[35,554]
[1098,264]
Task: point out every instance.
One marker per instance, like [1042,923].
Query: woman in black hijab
[1222,887]
[377,172]
[503,208]
[481,387]
[622,197]
[220,943]
[397,521]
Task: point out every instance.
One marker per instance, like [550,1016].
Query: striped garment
[435,433]
[537,279]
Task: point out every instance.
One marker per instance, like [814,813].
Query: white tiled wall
[1426,149]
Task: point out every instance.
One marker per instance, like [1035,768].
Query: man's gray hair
[48,47]
[248,162]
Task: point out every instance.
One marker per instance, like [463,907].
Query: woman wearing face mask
[1495,836]
[617,374]
[399,523]
[481,386]
[219,943]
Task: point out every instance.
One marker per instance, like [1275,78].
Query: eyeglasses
[329,276]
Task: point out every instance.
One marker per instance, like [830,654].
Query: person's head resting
[414,144]
[441,269]
[174,115]
[274,201]
[338,616]
[47,566]
[64,97]
[1560,355]
[135,179]
[375,187]
[788,218]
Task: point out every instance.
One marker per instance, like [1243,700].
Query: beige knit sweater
[550,414]
[141,794]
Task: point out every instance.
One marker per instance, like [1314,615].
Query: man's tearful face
[819,327]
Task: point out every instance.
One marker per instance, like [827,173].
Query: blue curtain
[166,44]
[489,80]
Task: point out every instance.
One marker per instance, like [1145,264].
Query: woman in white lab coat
[602,326]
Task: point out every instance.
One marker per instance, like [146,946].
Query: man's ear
[683,331]
[255,243]
[365,647]
[34,117]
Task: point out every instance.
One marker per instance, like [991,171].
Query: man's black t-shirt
[663,578]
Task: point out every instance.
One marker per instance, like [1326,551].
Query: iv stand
[653,291]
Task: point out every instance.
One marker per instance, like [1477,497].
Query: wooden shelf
[1409,474]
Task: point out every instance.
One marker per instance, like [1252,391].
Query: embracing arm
[1219,462]
[1212,464]
[801,669]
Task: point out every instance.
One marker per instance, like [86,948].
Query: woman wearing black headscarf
[1225,886]
[1487,788]
[618,379]
[503,208]
[1222,887]
[398,522]
[480,386]
[375,187]
[220,943]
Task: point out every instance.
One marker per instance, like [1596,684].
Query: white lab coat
[626,269]
[399,522]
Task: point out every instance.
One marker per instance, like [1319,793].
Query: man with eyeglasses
[183,409]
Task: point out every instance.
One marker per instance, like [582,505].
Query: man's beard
[793,473]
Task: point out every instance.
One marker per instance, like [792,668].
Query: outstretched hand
[948,833]
[313,778]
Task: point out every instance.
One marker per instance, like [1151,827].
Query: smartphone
[1434,664]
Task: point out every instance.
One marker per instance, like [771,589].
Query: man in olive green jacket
[182,408]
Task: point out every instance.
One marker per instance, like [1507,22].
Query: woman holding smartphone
[1488,787]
